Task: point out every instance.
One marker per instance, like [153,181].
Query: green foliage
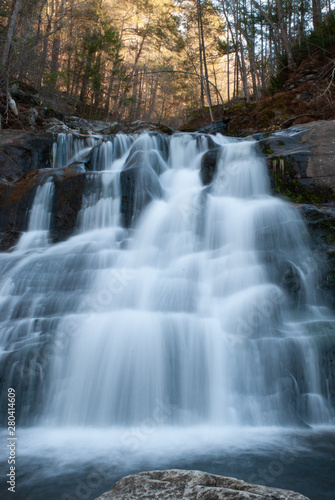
[224,48]
[286,184]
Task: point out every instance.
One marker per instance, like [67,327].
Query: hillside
[303,95]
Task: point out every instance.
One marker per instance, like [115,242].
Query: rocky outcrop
[17,198]
[83,126]
[22,152]
[209,165]
[76,125]
[301,161]
[139,184]
[320,223]
[192,485]
[15,201]
[25,159]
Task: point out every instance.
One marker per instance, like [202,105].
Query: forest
[153,60]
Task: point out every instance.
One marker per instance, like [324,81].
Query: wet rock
[327,364]
[149,158]
[15,201]
[210,143]
[189,485]
[139,185]
[17,198]
[320,223]
[94,158]
[303,157]
[218,126]
[209,165]
[22,152]
[69,188]
[162,144]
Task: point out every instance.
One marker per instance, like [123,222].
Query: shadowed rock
[17,199]
[209,166]
[21,153]
[139,183]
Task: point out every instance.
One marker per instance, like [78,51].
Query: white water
[37,234]
[189,309]
[195,329]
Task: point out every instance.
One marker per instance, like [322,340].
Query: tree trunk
[317,14]
[10,33]
[283,35]
[200,57]
[208,93]
[244,74]
[54,66]
[228,72]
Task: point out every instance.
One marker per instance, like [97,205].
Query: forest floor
[303,95]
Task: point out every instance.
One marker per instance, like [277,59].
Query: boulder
[162,144]
[192,485]
[139,184]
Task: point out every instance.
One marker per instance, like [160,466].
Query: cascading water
[39,219]
[170,294]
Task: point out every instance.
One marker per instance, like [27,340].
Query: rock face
[303,158]
[320,223]
[209,166]
[22,152]
[192,485]
[139,185]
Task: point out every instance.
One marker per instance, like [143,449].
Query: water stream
[179,321]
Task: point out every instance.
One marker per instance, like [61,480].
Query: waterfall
[39,219]
[199,298]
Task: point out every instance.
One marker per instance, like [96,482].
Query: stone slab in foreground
[192,485]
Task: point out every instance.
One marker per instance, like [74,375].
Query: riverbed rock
[192,485]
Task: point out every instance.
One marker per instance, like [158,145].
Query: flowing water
[178,321]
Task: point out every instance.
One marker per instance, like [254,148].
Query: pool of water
[81,464]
